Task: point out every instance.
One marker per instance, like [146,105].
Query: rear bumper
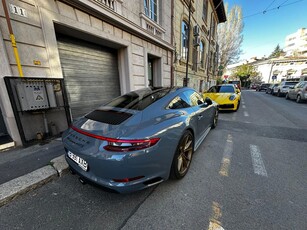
[102,172]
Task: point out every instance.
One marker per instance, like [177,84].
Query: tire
[278,94]
[183,156]
[215,119]
[287,96]
[298,99]
[237,106]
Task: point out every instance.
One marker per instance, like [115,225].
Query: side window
[212,90]
[178,103]
[193,98]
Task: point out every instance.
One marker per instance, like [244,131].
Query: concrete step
[6,142]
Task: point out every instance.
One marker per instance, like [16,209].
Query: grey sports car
[140,139]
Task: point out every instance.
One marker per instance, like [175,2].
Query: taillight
[121,145]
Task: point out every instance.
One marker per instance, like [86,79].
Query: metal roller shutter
[90,74]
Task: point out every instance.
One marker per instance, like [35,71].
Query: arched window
[184,40]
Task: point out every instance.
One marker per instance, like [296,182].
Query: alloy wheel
[185,154]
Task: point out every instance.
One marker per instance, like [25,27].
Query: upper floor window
[201,54]
[151,9]
[205,10]
[184,39]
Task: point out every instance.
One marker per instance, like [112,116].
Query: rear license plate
[82,163]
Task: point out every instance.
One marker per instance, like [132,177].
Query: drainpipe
[12,37]
[189,29]
[172,41]
[210,37]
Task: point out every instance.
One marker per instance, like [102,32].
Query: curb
[21,185]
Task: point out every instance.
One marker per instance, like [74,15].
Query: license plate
[82,163]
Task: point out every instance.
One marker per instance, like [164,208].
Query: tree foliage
[247,73]
[230,36]
[277,52]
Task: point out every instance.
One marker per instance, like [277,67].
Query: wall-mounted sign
[18,10]
[37,62]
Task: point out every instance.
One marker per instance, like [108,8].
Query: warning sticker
[38,95]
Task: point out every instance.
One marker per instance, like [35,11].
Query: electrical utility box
[35,95]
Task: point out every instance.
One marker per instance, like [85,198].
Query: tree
[277,52]
[247,74]
[230,36]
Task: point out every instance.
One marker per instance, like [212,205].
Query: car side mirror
[208,101]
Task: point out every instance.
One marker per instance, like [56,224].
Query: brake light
[121,145]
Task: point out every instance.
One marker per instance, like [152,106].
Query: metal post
[12,37]
[272,64]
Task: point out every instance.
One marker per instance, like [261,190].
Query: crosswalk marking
[258,164]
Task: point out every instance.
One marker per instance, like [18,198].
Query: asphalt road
[249,173]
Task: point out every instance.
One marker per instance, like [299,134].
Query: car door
[203,111]
[297,89]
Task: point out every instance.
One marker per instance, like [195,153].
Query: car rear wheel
[298,99]
[215,119]
[278,94]
[183,156]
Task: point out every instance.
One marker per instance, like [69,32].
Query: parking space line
[225,163]
[215,223]
[258,164]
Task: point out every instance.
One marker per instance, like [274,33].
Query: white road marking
[225,163]
[257,161]
[246,114]
[243,106]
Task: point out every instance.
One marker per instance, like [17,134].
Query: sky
[263,31]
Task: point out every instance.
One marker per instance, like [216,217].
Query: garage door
[90,74]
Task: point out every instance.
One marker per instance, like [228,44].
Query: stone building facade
[201,47]
[105,46]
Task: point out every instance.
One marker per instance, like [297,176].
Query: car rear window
[139,100]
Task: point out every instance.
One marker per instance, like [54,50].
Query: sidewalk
[24,169]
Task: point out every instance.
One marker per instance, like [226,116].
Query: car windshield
[291,83]
[222,89]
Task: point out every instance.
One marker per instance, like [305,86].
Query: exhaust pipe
[82,181]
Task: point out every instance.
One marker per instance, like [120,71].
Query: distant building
[275,69]
[296,43]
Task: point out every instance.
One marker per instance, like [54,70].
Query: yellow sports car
[227,96]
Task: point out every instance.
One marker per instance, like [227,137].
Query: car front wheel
[287,96]
[183,156]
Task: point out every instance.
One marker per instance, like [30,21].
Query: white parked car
[283,87]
